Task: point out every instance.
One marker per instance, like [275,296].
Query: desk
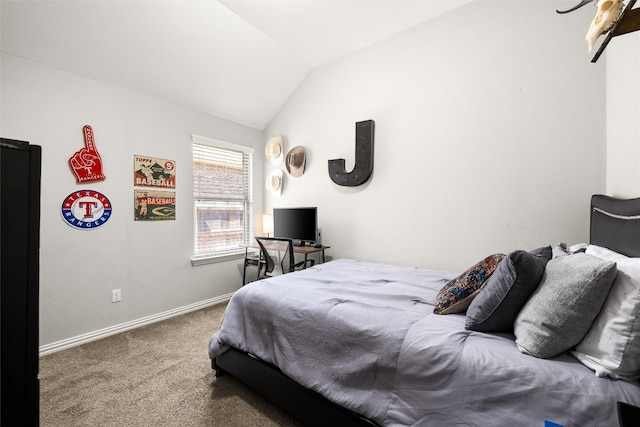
[309,249]
[254,259]
[305,250]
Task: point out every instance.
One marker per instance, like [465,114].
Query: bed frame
[614,225]
[309,407]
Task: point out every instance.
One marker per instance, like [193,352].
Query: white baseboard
[116,329]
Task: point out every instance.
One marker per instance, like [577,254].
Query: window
[222,198]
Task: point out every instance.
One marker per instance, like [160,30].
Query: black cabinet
[19,282]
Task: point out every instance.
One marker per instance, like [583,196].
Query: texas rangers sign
[86,209]
[86,163]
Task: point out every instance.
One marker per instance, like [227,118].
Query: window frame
[248,200]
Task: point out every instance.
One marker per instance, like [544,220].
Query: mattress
[364,336]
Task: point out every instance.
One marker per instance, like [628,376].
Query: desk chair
[251,259]
[281,246]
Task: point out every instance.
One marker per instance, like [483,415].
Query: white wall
[623,116]
[490,136]
[490,130]
[149,261]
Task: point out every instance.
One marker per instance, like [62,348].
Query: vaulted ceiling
[236,59]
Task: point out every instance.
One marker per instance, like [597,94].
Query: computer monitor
[299,224]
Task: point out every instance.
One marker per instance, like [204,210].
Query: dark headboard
[615,224]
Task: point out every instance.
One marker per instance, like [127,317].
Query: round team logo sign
[86,209]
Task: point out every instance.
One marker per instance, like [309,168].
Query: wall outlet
[116,295]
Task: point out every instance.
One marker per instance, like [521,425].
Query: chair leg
[244,273]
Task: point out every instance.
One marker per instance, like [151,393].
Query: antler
[578,6]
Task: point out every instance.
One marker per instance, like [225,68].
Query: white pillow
[578,247]
[612,345]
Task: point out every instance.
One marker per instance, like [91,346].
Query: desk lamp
[267,224]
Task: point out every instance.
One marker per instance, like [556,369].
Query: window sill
[195,262]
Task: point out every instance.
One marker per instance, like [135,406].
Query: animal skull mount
[578,6]
[609,11]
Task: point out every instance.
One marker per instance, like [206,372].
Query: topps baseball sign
[154,172]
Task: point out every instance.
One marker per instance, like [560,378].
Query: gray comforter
[364,335]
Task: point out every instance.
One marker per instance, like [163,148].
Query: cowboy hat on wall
[296,161]
[274,182]
[273,150]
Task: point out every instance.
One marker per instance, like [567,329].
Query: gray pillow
[560,312]
[508,289]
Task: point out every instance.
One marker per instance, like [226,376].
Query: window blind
[223,199]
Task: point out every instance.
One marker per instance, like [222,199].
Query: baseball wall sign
[154,172]
[86,209]
[154,205]
[86,163]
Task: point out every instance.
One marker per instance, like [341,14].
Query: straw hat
[273,150]
[274,182]
[296,161]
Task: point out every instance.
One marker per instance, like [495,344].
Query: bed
[357,343]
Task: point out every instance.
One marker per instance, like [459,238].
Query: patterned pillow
[457,294]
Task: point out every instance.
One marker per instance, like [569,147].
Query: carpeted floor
[158,375]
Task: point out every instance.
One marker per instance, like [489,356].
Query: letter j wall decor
[364,158]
